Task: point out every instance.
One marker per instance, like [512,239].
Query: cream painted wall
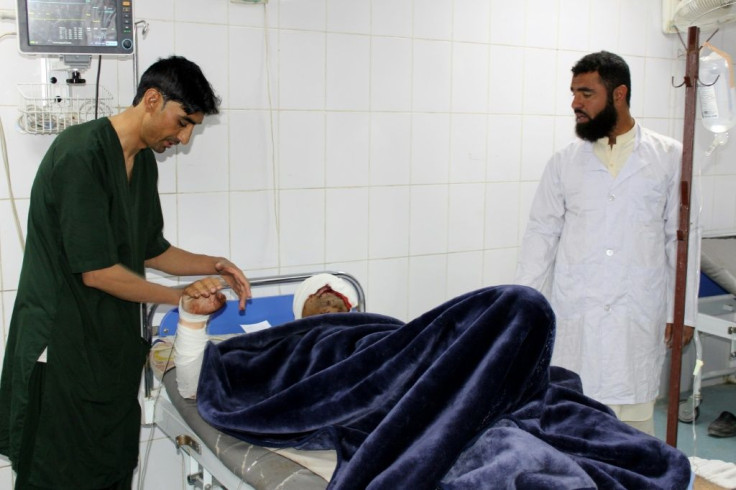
[398,140]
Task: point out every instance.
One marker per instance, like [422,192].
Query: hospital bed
[716,312]
[214,459]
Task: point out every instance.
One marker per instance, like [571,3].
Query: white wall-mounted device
[706,14]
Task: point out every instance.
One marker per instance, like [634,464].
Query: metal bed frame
[716,317]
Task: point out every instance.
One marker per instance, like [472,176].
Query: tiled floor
[693,439]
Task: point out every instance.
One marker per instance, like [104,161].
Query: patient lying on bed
[317,295]
[462,397]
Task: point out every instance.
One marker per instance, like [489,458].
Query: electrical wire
[698,371]
[6,165]
[143,466]
[97,85]
[144,30]
[274,168]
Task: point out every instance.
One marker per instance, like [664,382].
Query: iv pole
[683,232]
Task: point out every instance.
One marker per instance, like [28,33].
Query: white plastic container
[717,95]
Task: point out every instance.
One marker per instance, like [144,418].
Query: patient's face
[327,302]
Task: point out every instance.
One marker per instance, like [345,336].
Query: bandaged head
[324,293]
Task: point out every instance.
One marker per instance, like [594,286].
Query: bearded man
[601,244]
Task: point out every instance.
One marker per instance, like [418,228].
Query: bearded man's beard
[598,126]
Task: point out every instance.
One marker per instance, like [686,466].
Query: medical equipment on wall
[68,35]
[93,27]
[50,108]
[717,97]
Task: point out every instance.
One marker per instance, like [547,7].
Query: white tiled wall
[400,140]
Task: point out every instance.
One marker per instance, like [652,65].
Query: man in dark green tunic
[69,413]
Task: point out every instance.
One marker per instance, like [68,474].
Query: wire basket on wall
[51,108]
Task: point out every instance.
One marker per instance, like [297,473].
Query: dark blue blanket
[462,397]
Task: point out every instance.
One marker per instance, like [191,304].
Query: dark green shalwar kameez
[84,215]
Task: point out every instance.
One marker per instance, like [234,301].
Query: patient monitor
[75,27]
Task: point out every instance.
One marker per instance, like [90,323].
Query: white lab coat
[603,251]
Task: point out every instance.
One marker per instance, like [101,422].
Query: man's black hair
[612,69]
[182,81]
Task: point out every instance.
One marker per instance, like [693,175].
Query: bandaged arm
[199,300]
[189,344]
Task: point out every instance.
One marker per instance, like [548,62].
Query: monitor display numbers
[75,22]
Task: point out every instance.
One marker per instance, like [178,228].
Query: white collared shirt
[614,156]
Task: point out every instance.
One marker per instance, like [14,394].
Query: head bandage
[313,284]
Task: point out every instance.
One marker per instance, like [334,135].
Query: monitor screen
[49,27]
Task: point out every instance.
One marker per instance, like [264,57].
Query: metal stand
[683,232]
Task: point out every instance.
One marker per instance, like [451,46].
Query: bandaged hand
[202,297]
